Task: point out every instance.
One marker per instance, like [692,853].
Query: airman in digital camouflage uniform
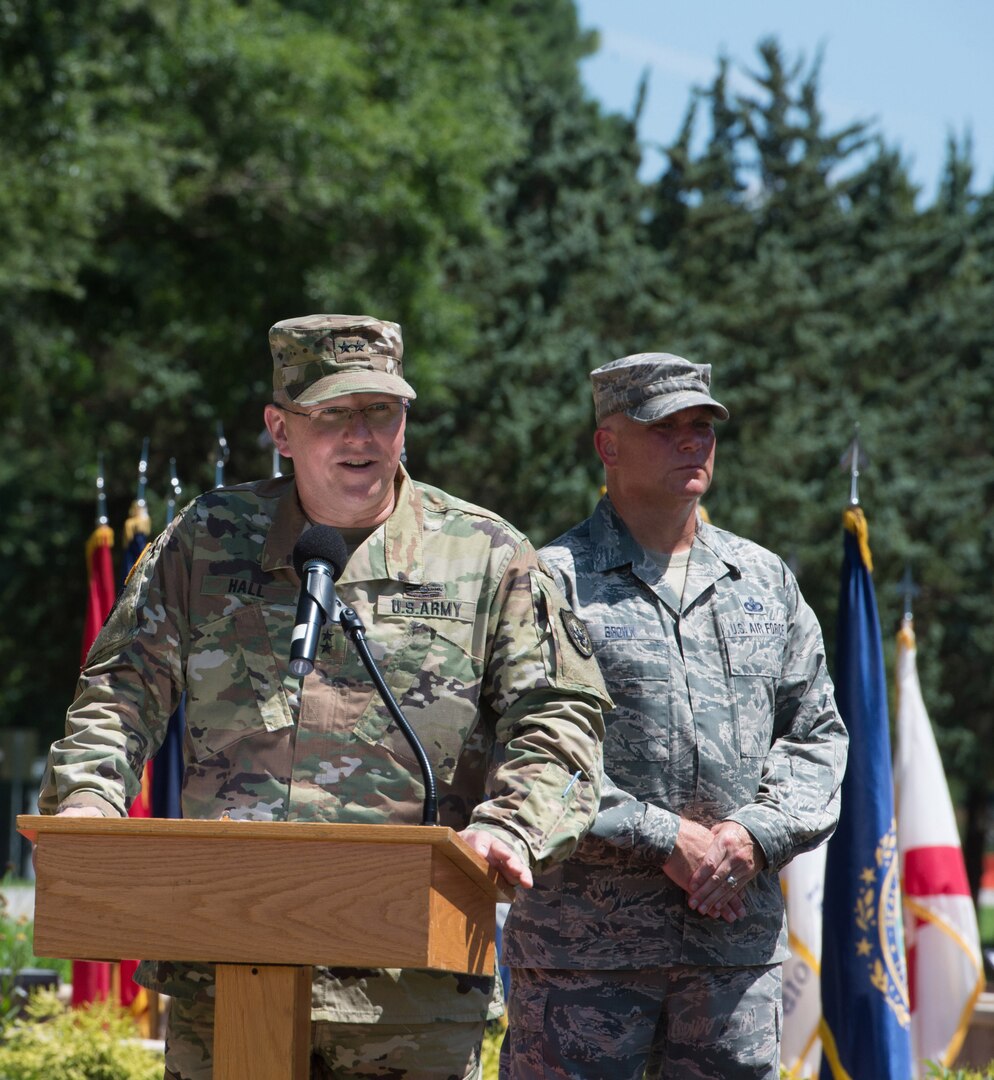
[658,946]
[472,636]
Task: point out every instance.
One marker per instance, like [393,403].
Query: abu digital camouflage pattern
[508,709]
[700,1022]
[649,386]
[724,709]
[320,357]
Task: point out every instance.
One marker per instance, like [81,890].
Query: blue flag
[866,1018]
[167,776]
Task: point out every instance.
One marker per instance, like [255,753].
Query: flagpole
[221,454]
[175,491]
[91,980]
[102,518]
[864,987]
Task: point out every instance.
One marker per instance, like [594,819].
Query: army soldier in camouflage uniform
[470,633]
[658,946]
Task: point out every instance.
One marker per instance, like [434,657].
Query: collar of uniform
[403,549]
[710,560]
[395,550]
[289,521]
[713,540]
[613,545]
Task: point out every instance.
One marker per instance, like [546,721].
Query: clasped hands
[712,865]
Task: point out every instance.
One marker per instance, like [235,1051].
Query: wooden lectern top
[262,892]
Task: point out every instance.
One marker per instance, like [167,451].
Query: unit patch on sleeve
[577,633]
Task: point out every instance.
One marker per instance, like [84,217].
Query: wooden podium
[264,901]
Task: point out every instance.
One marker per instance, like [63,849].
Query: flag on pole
[803,884]
[137,528]
[866,1025]
[945,968]
[101,588]
[167,777]
[91,980]
[136,532]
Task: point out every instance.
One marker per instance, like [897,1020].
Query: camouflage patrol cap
[320,357]
[649,386]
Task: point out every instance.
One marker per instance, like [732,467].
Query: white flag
[803,884]
[945,969]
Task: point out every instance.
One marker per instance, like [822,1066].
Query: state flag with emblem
[945,967]
[866,1015]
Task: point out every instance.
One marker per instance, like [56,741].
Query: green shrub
[940,1072]
[16,954]
[490,1053]
[99,1042]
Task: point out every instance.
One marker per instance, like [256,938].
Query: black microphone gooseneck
[352,625]
[319,557]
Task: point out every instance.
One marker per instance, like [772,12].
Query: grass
[985,916]
[490,1055]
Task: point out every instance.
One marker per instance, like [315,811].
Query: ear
[606,446]
[276,425]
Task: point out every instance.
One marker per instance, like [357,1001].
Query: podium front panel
[261,893]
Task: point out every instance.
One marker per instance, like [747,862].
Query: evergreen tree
[563,287]
[174,177]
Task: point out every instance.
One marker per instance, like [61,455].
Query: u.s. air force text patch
[577,633]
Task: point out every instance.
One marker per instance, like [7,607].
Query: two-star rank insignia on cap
[577,633]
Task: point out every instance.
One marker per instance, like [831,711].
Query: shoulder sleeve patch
[577,632]
[573,665]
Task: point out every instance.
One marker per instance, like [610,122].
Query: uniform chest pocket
[233,683]
[755,656]
[755,664]
[627,662]
[637,674]
[436,683]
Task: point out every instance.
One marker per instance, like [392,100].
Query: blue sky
[918,70]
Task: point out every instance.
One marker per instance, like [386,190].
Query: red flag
[102,590]
[95,980]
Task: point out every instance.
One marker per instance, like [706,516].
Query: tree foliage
[177,176]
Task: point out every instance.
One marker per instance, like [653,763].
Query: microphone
[319,557]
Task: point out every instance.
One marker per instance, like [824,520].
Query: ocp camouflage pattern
[724,709]
[465,626]
[312,353]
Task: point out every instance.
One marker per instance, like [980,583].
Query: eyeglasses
[378,416]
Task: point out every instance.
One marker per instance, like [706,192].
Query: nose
[358,427]
[693,438]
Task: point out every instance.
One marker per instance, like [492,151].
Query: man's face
[344,470]
[671,459]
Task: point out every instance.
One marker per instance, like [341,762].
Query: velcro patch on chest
[406,606]
[754,627]
[243,585]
